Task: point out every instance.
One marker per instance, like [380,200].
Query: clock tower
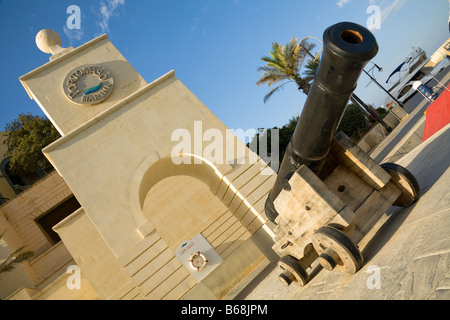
[139,206]
[78,84]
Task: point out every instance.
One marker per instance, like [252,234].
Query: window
[56,215]
[405,90]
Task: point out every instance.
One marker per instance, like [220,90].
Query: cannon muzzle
[348,47]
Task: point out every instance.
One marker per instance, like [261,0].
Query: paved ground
[409,256]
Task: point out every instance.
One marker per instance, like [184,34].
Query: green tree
[26,137]
[354,123]
[18,256]
[284,65]
[284,134]
[382,112]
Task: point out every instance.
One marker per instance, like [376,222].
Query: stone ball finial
[46,39]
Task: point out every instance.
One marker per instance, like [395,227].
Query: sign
[88,85]
[425,91]
[198,256]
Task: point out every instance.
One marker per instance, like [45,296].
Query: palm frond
[23,256]
[311,68]
[283,63]
[271,92]
[17,256]
[6,267]
[271,77]
[17,251]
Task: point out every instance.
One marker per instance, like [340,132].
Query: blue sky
[214,46]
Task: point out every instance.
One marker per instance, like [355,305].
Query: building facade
[28,220]
[171,201]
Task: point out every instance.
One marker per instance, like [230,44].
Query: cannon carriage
[329,194]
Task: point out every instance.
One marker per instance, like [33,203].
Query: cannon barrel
[348,47]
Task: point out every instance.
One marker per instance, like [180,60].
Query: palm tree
[15,257]
[311,68]
[284,65]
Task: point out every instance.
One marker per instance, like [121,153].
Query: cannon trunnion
[329,194]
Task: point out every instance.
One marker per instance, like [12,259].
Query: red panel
[438,115]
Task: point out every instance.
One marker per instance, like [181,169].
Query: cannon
[329,194]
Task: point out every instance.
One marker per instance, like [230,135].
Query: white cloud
[198,19]
[391,8]
[73,34]
[107,11]
[341,3]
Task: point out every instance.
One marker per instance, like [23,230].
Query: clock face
[88,85]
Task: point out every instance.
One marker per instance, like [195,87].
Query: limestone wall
[105,164]
[18,217]
[45,84]
[92,255]
[138,205]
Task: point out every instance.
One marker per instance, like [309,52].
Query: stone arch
[155,169]
[231,233]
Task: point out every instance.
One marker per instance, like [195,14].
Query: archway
[154,170]
[180,207]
